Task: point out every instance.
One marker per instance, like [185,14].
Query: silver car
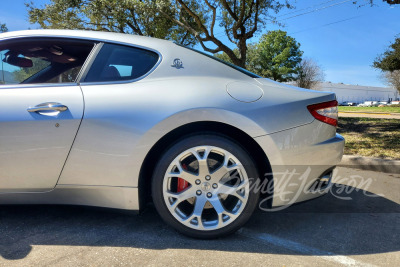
[118,121]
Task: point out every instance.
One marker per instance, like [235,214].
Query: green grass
[371,109]
[369,137]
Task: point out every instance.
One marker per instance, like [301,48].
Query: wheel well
[226,130]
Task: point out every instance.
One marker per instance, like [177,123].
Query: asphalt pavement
[347,227]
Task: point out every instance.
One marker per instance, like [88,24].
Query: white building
[359,94]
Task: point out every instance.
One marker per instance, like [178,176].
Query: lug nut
[208,177]
[198,192]
[209,195]
[198,181]
[214,186]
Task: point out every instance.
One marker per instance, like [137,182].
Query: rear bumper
[300,158]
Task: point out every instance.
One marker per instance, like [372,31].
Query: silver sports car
[118,121]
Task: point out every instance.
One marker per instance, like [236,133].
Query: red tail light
[326,112]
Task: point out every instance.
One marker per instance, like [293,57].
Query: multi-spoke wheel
[201,186]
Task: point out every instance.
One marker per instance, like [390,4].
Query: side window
[16,68]
[42,60]
[121,63]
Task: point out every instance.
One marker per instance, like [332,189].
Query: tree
[390,59]
[185,21]
[141,17]
[393,78]
[3,28]
[310,74]
[390,2]
[22,74]
[389,64]
[251,55]
[277,56]
[372,2]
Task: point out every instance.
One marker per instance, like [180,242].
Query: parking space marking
[301,248]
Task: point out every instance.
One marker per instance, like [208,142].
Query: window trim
[124,81]
[35,85]
[85,66]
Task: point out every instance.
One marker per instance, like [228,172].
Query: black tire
[203,140]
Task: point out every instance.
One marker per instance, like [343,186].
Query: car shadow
[364,224]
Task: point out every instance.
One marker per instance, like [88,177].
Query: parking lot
[348,227]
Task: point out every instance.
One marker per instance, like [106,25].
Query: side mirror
[13,59]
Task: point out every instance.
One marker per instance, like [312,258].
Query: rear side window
[121,63]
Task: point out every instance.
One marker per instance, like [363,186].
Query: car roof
[91,35]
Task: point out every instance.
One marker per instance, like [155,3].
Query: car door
[41,108]
[103,153]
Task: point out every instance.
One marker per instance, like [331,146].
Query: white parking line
[304,249]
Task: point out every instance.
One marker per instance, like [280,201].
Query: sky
[343,38]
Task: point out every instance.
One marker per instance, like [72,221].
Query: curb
[372,113]
[370,164]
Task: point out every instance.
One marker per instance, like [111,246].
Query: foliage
[390,2]
[277,56]
[251,50]
[389,63]
[3,28]
[310,74]
[141,17]
[24,73]
[390,59]
[372,2]
[393,78]
[185,21]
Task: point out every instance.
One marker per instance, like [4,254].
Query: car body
[369,104]
[347,103]
[91,133]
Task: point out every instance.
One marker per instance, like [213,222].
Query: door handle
[49,106]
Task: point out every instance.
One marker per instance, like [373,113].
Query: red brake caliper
[182,183]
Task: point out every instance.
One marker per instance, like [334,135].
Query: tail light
[326,112]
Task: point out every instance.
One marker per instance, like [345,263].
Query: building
[358,93]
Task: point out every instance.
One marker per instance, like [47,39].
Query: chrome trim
[49,106]
[34,85]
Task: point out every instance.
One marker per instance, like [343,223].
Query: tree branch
[228,8]
[252,31]
[214,11]
[196,18]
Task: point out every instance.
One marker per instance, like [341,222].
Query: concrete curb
[368,112]
[370,164]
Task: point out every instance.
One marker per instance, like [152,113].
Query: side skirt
[125,198]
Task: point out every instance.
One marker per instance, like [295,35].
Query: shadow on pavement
[363,225]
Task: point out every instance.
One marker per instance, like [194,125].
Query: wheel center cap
[206,186]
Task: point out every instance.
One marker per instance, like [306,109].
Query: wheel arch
[238,136]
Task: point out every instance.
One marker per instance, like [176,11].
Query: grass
[379,138]
[371,109]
